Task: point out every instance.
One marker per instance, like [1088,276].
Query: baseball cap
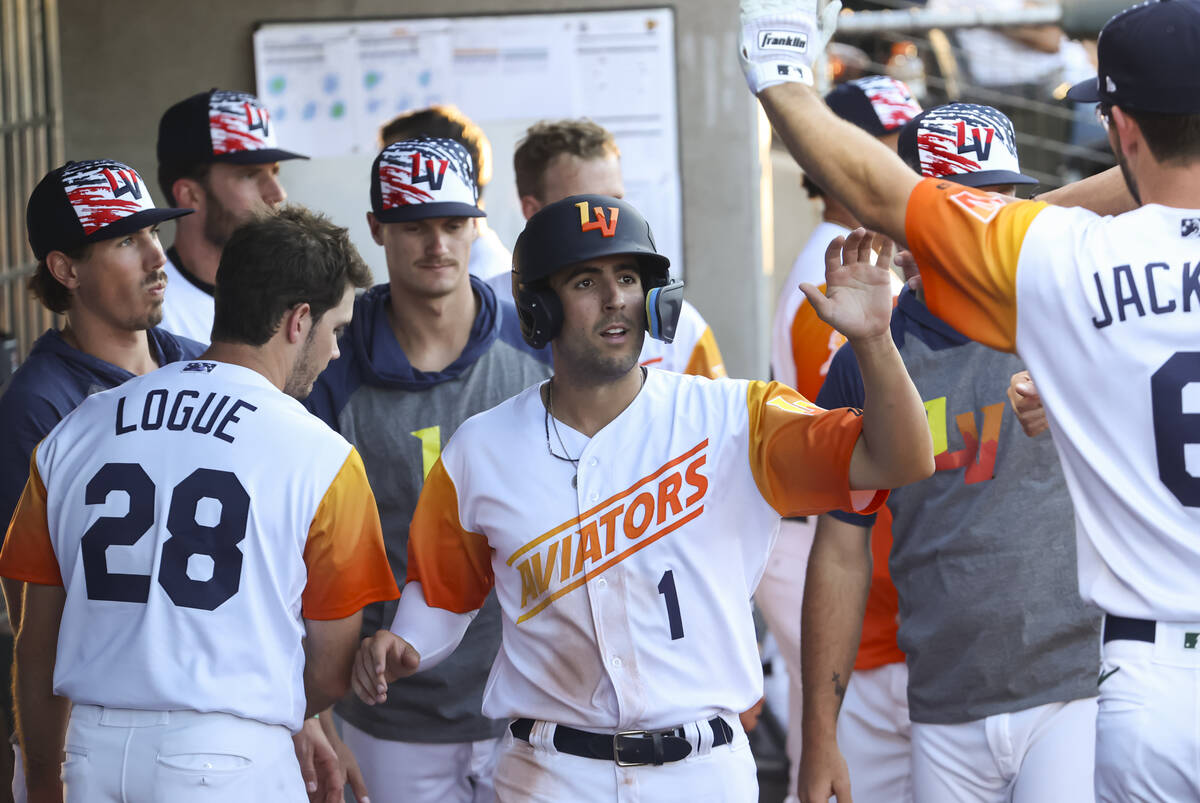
[1149,59]
[84,202]
[219,126]
[422,178]
[877,104]
[967,143]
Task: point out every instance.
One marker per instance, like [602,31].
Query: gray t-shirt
[983,553]
[399,419]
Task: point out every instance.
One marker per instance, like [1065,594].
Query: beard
[219,221]
[304,371]
[1126,173]
[154,315]
[589,364]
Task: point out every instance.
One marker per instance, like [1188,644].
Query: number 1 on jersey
[666,587]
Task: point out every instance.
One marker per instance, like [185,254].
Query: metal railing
[31,143]
[1054,138]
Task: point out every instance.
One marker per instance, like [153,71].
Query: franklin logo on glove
[783,41]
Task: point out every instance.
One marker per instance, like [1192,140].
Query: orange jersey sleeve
[814,343]
[28,553]
[347,566]
[452,564]
[706,358]
[878,645]
[966,243]
[800,453]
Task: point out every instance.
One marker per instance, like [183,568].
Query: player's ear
[297,322]
[376,228]
[530,206]
[189,193]
[1129,133]
[63,269]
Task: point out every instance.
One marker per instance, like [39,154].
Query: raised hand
[858,292]
[382,658]
[782,38]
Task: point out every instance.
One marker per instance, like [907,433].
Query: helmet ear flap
[663,305]
[540,313]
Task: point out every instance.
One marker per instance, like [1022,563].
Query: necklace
[574,461]
[551,421]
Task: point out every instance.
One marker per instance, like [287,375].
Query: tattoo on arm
[838,688]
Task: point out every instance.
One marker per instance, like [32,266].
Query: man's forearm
[41,714]
[1105,193]
[895,431]
[848,163]
[835,595]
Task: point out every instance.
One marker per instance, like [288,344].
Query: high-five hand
[858,292]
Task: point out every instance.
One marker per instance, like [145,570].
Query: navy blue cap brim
[257,156]
[988,178]
[403,214]
[136,222]
[1086,91]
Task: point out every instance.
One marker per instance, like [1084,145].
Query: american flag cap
[84,202]
[219,125]
[966,143]
[421,178]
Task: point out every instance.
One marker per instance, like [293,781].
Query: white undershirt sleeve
[433,632]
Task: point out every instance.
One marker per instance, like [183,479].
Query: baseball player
[1103,311]
[996,637]
[216,154]
[424,352]
[625,549]
[802,346]
[105,276]
[199,507]
[571,157]
[490,260]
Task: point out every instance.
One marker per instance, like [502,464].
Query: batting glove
[782,38]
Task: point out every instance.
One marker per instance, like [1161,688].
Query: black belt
[628,748]
[1124,628]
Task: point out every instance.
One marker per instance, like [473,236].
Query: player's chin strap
[663,305]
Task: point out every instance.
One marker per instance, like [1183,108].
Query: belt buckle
[617,748]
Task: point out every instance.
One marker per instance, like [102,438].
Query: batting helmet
[575,230]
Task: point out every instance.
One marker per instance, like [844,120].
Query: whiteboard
[329,86]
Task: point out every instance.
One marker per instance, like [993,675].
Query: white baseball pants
[18,784]
[780,596]
[421,772]
[119,755]
[1148,730]
[1032,756]
[874,735]
[535,772]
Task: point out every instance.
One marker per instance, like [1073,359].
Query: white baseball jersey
[187,310]
[1106,314]
[626,599]
[194,515]
[693,351]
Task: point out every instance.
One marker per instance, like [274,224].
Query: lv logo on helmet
[607,227]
